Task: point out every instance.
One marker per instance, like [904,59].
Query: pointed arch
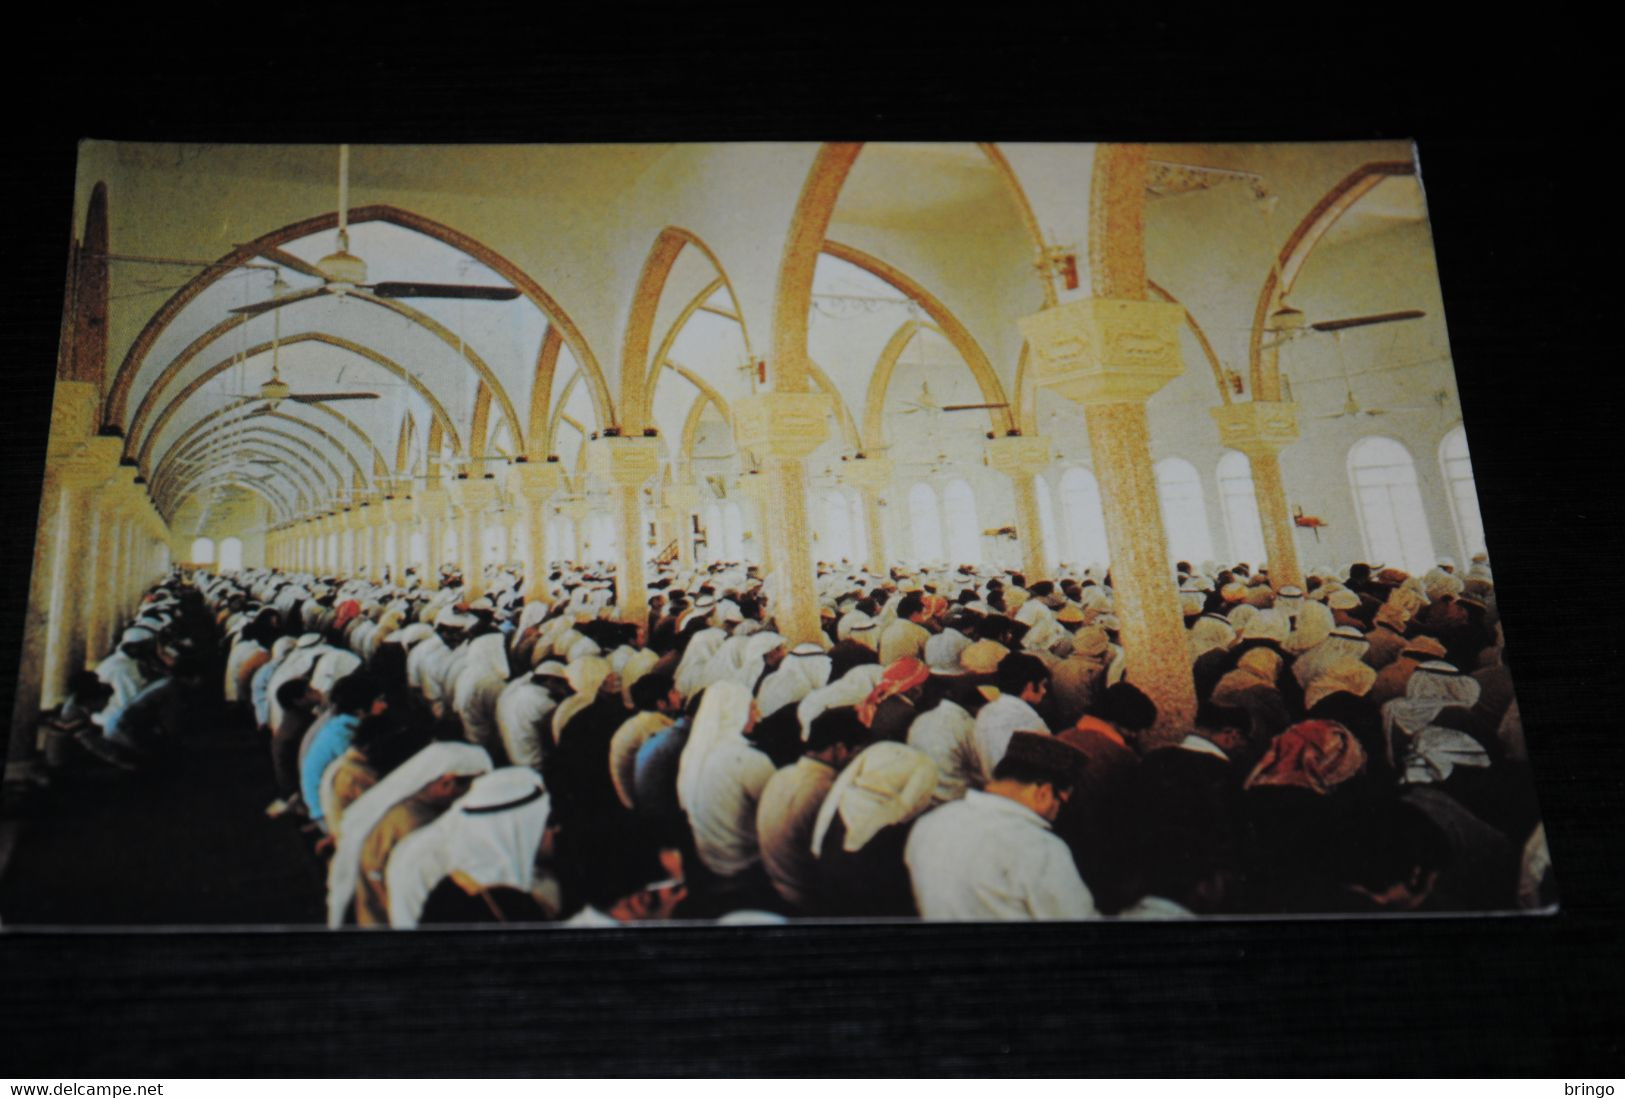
[951,328]
[268,245]
[403,445]
[1264,374]
[143,454]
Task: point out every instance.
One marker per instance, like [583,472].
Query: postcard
[594,535]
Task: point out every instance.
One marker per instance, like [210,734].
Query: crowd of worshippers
[958,744]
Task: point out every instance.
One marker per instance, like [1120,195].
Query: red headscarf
[348,609]
[1312,755]
[904,675]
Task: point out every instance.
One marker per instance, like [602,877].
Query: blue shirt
[332,740]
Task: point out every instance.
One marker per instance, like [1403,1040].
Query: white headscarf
[724,711]
[361,817]
[585,676]
[1314,624]
[850,689]
[1209,632]
[637,665]
[491,833]
[1435,752]
[692,669]
[753,658]
[1343,645]
[886,784]
[805,669]
[1267,625]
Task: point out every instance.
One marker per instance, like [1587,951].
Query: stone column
[534,485]
[1022,458]
[781,429]
[398,511]
[431,506]
[472,497]
[1261,429]
[871,476]
[683,498]
[628,464]
[1111,356]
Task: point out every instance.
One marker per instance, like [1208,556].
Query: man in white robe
[993,855]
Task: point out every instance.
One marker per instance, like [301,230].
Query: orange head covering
[1312,755]
[904,675]
[348,609]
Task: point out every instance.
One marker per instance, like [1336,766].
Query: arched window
[417,549]
[1046,521]
[1084,518]
[1184,515]
[448,547]
[203,551]
[231,555]
[837,529]
[1458,479]
[964,530]
[925,522]
[163,556]
[603,539]
[1239,503]
[733,524]
[1392,520]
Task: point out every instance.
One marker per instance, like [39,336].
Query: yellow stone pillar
[1111,356]
[1022,458]
[534,485]
[683,498]
[473,496]
[872,477]
[109,505]
[627,464]
[1261,429]
[781,429]
[431,506]
[398,512]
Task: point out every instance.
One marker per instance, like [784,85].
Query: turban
[886,784]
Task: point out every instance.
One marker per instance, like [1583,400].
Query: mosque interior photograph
[587,535]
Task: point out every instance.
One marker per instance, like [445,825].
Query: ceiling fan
[274,390]
[1287,323]
[342,272]
[1352,408]
[928,403]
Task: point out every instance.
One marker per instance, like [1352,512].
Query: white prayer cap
[309,640]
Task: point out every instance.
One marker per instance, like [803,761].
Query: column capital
[628,462]
[781,425]
[873,473]
[472,495]
[574,509]
[92,463]
[1105,351]
[1018,455]
[399,510]
[1257,426]
[535,480]
[431,501]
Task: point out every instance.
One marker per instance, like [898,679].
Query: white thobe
[722,812]
[947,734]
[523,712]
[988,857]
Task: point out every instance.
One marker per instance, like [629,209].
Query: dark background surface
[1514,141]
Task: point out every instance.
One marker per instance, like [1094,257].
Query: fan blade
[293,263]
[969,407]
[437,289]
[1362,321]
[321,398]
[277,302]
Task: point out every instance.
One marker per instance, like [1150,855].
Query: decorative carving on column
[872,477]
[1111,356]
[628,464]
[1022,458]
[472,496]
[781,429]
[534,484]
[1261,429]
[1098,351]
